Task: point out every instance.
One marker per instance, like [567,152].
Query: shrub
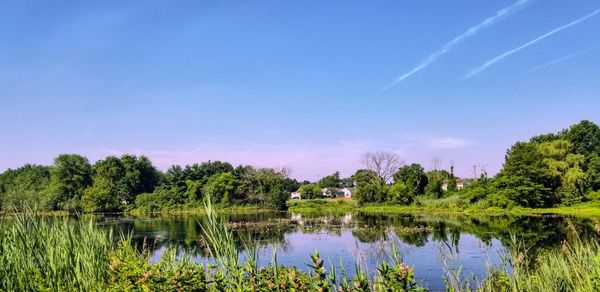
[593,196]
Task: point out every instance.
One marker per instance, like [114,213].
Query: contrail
[562,59]
[497,59]
[448,46]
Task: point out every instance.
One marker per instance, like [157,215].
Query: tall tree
[452,186]
[24,187]
[140,176]
[222,188]
[331,181]
[109,190]
[413,177]
[384,164]
[525,176]
[71,174]
[585,137]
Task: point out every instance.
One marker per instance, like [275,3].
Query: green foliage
[222,188]
[434,187]
[37,254]
[414,177]
[24,186]
[331,181]
[525,177]
[277,198]
[593,196]
[572,267]
[547,171]
[452,185]
[130,270]
[396,276]
[585,137]
[364,176]
[370,193]
[70,175]
[310,191]
[399,193]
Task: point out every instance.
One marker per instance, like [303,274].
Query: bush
[400,194]
[499,200]
[131,270]
[593,196]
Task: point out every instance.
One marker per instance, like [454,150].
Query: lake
[429,243]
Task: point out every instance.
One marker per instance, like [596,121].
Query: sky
[307,85]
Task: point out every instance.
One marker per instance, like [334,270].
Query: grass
[448,205]
[225,209]
[322,205]
[51,254]
[58,254]
[574,266]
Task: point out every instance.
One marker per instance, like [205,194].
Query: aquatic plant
[52,254]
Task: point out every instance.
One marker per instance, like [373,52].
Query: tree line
[548,170]
[115,184]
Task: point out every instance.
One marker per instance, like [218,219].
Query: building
[347,193]
[328,193]
[460,183]
[296,195]
[337,193]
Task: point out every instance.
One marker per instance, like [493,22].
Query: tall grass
[574,266]
[51,254]
[39,254]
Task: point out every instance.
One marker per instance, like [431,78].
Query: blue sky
[307,85]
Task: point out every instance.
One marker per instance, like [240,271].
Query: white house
[295,195]
[328,193]
[337,193]
[459,184]
[347,193]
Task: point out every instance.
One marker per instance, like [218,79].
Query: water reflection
[424,241]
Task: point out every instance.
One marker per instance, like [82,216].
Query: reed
[53,254]
[573,266]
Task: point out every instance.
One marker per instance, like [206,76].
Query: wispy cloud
[448,46]
[562,59]
[497,59]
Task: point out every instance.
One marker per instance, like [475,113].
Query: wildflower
[403,270]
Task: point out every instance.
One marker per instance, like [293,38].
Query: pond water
[430,244]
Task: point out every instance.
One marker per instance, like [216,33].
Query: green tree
[452,187]
[399,193]
[567,178]
[110,191]
[221,188]
[310,191]
[194,190]
[434,187]
[277,198]
[585,137]
[24,187]
[364,176]
[413,177]
[526,176]
[592,173]
[331,181]
[140,176]
[70,175]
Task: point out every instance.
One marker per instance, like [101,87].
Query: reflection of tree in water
[537,232]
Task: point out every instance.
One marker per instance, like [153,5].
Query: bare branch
[384,164]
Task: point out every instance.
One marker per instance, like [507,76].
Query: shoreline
[344,205]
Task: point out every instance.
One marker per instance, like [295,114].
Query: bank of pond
[292,251]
